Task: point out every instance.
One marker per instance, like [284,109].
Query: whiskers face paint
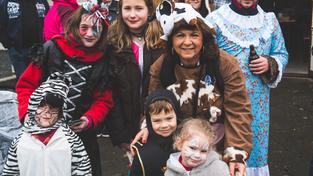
[195,150]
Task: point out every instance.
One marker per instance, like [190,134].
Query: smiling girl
[46,144]
[133,37]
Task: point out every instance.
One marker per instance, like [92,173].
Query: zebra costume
[64,154]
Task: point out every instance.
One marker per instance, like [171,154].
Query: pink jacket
[57,16]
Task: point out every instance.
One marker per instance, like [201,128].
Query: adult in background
[204,7]
[239,25]
[207,81]
[21,26]
[201,6]
[57,17]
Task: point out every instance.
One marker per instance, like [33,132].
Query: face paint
[90,30]
[195,150]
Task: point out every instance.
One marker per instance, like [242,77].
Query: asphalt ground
[291,128]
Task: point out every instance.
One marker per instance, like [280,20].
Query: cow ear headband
[98,11]
[168,13]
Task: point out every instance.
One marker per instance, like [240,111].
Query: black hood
[162,94]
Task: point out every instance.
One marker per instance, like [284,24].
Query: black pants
[89,139]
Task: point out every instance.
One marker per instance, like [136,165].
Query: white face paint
[195,150]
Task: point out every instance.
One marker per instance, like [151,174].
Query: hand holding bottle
[257,64]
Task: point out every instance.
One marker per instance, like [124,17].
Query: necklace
[139,35]
[139,38]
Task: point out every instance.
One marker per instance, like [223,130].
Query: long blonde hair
[119,35]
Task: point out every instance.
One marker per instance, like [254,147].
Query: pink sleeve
[52,24]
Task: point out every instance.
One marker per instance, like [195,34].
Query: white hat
[168,13]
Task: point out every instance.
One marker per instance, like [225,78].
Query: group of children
[47,145]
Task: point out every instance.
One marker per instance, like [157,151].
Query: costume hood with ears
[54,92]
[168,13]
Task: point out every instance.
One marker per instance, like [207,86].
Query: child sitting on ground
[46,145]
[196,157]
[162,114]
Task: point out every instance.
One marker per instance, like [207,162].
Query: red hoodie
[57,16]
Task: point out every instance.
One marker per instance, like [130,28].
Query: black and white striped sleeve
[80,160]
[11,165]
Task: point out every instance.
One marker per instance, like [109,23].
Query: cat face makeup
[195,150]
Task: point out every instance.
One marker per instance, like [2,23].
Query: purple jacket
[57,16]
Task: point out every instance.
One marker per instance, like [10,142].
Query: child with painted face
[162,115]
[79,54]
[46,138]
[196,157]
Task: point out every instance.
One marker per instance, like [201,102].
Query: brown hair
[190,126]
[44,104]
[209,45]
[119,35]
[72,28]
[209,54]
[159,106]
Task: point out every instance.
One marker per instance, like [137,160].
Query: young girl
[132,40]
[79,54]
[162,115]
[196,157]
[46,145]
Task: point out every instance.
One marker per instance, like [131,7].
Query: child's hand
[81,126]
[237,169]
[143,135]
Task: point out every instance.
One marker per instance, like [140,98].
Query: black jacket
[129,91]
[11,23]
[151,157]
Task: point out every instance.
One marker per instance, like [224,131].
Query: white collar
[254,21]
